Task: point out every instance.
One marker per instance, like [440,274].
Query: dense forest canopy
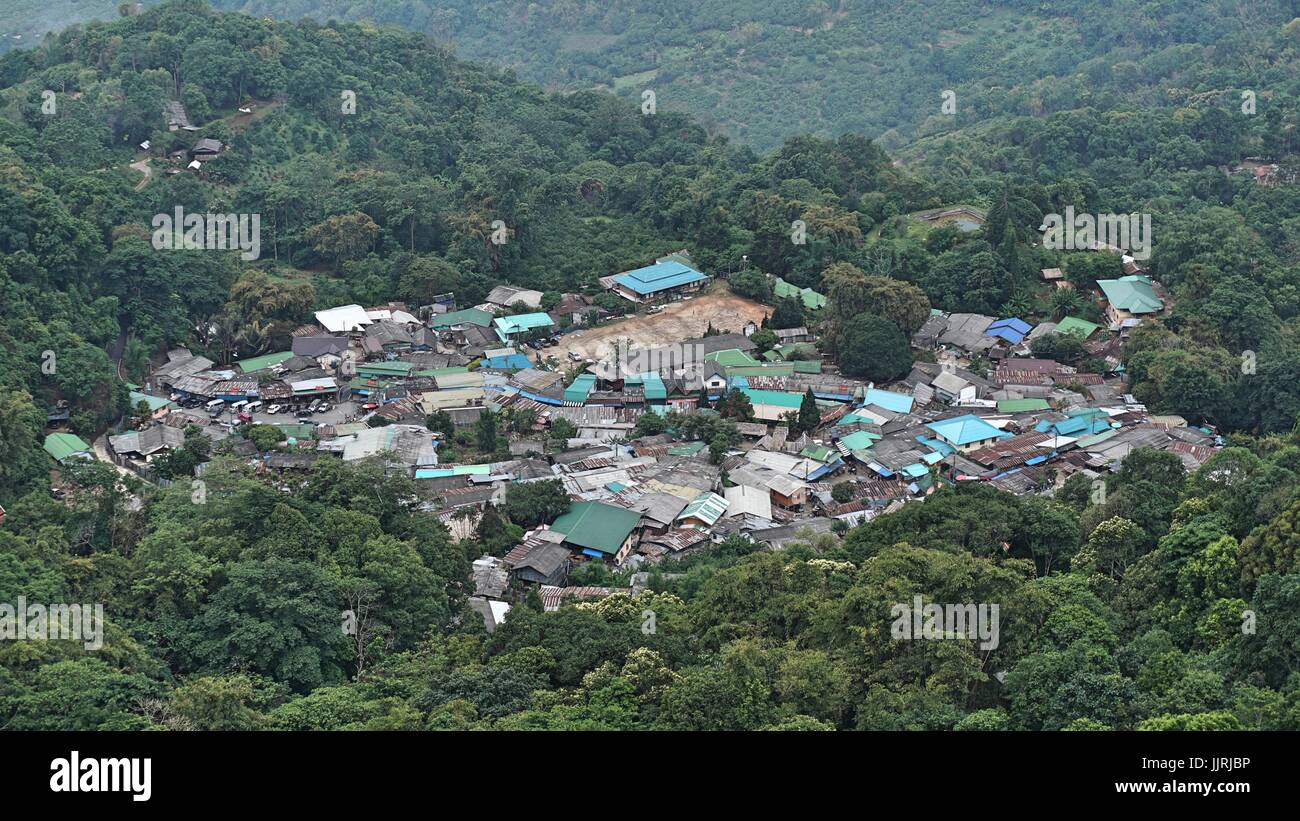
[762,72]
[1122,605]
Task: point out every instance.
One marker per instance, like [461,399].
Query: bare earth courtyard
[678,321]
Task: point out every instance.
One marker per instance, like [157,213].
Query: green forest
[1122,605]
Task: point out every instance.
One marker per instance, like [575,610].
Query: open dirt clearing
[678,321]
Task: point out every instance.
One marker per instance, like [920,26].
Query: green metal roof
[731,357]
[707,507]
[1131,293]
[261,363]
[468,316]
[821,453]
[686,449]
[1077,326]
[811,299]
[63,445]
[1022,405]
[154,402]
[597,526]
[385,368]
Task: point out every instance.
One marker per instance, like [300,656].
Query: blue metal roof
[659,277]
[965,429]
[890,401]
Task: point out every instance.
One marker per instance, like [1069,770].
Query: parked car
[274,409]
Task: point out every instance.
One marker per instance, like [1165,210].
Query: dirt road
[678,321]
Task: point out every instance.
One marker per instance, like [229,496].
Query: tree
[810,416]
[21,458]
[765,339]
[344,237]
[535,503]
[485,432]
[843,492]
[1065,348]
[562,430]
[874,348]
[265,437]
[751,284]
[787,314]
[441,422]
[737,405]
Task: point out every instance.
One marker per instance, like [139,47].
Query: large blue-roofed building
[670,275]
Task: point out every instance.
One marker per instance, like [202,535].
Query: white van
[253,407]
[238,406]
[216,403]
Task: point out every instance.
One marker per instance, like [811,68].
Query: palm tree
[1066,301]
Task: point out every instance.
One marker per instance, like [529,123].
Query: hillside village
[770,445]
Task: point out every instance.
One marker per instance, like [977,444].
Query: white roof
[742,500]
[314,384]
[499,610]
[343,318]
[950,382]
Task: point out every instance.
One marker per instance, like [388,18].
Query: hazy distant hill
[764,70]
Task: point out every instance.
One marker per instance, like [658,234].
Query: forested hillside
[1122,604]
[765,71]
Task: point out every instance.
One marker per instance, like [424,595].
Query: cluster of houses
[183,156]
[985,410]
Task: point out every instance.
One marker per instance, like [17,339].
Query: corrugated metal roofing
[661,276]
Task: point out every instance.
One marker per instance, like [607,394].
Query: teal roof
[963,430]
[652,384]
[859,440]
[154,402]
[781,399]
[1131,293]
[519,323]
[455,470]
[582,385]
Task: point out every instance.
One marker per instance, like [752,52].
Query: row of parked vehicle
[544,342]
[246,409]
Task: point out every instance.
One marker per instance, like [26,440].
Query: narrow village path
[143,167]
